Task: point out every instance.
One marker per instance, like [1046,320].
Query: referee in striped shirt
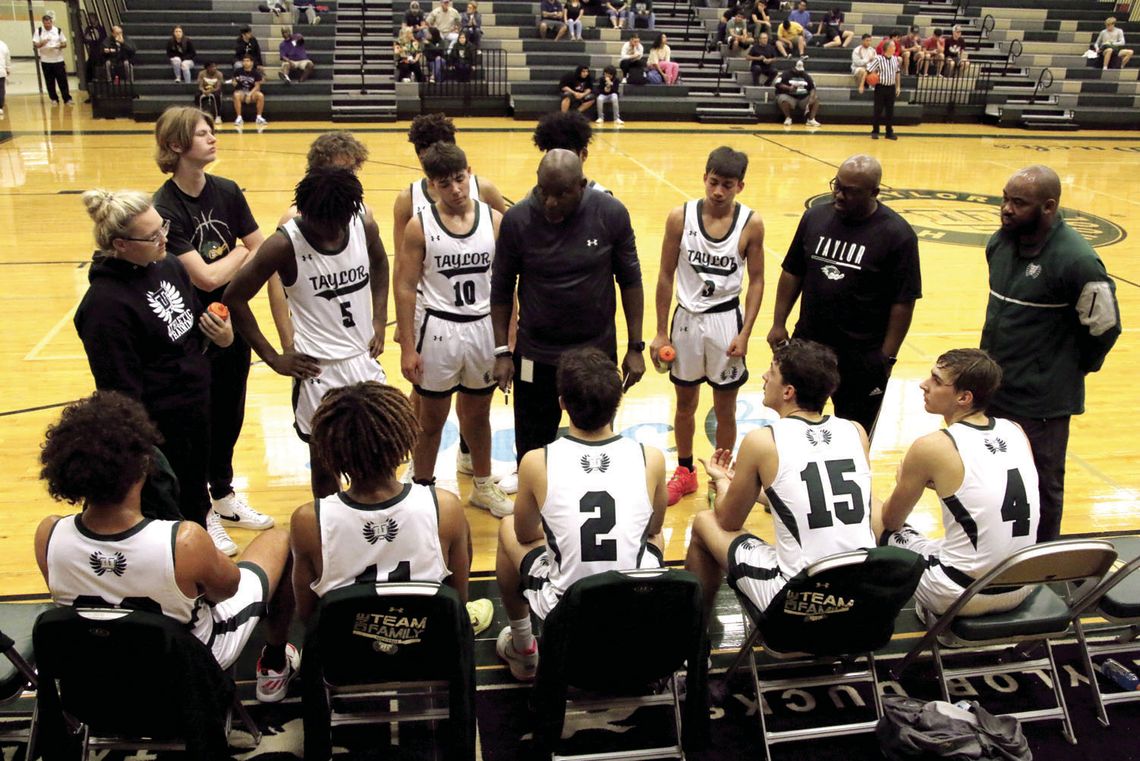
[890,81]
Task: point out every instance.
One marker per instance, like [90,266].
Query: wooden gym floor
[941,177]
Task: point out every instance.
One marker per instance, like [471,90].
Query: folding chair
[1118,600]
[133,680]
[1043,617]
[372,647]
[833,615]
[18,672]
[657,614]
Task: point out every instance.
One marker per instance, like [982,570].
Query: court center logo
[969,219]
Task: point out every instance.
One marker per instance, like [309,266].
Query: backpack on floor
[916,730]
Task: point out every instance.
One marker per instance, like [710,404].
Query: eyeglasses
[155,239]
[847,190]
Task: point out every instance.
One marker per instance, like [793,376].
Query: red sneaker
[684,481]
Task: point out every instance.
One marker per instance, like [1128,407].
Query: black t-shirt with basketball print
[210,224]
[853,272]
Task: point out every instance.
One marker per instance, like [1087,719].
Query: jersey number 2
[594,550]
[848,510]
[1015,505]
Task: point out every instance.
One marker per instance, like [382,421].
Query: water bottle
[1119,673]
[665,356]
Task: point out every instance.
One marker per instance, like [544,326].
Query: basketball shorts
[418,319]
[701,340]
[754,571]
[542,595]
[236,618]
[937,591]
[458,354]
[335,373]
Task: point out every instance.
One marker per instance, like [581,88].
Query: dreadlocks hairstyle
[99,449]
[431,128]
[363,431]
[329,195]
[337,148]
[442,160]
[975,371]
[563,129]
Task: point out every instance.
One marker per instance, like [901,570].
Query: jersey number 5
[346,316]
[846,496]
[594,550]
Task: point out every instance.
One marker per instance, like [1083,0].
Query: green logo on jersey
[969,219]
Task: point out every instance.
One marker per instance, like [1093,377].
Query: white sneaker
[510,483]
[261,121]
[1,113]
[409,472]
[618,122]
[812,123]
[523,666]
[463,463]
[235,511]
[273,686]
[218,533]
[600,120]
[788,122]
[490,497]
[239,121]
[217,120]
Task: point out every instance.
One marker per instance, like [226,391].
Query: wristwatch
[637,345]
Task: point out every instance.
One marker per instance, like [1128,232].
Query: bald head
[865,167]
[559,165]
[1039,181]
[1030,201]
[560,184]
[856,185]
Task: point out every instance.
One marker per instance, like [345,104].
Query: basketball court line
[651,172]
[64,321]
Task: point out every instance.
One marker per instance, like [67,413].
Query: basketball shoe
[235,511]
[684,481]
[481,612]
[489,496]
[272,686]
[218,533]
[523,665]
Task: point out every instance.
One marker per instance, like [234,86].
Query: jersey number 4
[1015,505]
[846,501]
[593,549]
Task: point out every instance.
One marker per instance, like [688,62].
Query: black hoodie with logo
[139,327]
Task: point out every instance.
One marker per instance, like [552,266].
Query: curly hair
[329,194]
[334,148]
[563,129]
[363,431]
[100,447]
[431,128]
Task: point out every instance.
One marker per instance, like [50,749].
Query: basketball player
[445,264]
[426,130]
[334,270]
[813,469]
[719,238]
[571,131]
[97,456]
[379,529]
[981,467]
[584,484]
[208,215]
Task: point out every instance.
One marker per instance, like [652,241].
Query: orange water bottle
[665,356]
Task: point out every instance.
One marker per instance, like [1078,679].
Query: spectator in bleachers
[446,20]
[861,57]
[802,16]
[789,36]
[761,57]
[1110,42]
[660,62]
[796,89]
[414,18]
[472,24]
[933,52]
[309,8]
[118,55]
[572,14]
[761,22]
[434,52]
[294,57]
[641,14]
[552,18]
[247,89]
[722,27]
[93,34]
[616,10]
[632,61]
[831,29]
[736,33]
[409,56]
[608,87]
[180,51]
[210,91]
[461,58]
[892,37]
[247,45]
[954,48]
[911,48]
[577,89]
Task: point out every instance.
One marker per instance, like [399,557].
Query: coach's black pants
[229,374]
[884,109]
[863,376]
[1049,438]
[186,444]
[56,73]
[537,413]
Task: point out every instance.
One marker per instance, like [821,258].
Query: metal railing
[1044,82]
[487,78]
[968,86]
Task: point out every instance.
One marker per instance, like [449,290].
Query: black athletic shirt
[210,224]
[565,273]
[852,274]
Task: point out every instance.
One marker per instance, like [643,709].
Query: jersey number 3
[846,496]
[593,549]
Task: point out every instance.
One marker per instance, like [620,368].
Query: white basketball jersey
[457,268]
[133,569]
[996,509]
[821,497]
[396,540]
[710,271]
[597,510]
[421,198]
[331,300]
